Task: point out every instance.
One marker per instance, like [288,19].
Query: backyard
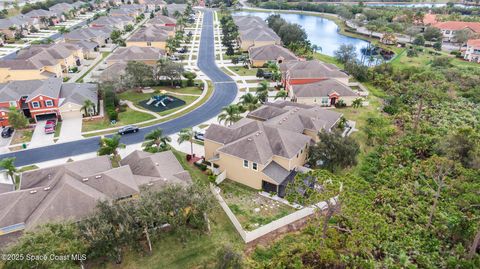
[252,209]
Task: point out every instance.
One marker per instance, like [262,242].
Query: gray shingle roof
[322,88]
[246,22]
[276,172]
[150,34]
[135,53]
[271,53]
[77,93]
[161,19]
[311,69]
[89,33]
[259,33]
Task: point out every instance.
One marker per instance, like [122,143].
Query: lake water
[321,32]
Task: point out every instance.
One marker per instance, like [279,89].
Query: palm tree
[357,103]
[250,101]
[88,107]
[229,115]
[9,165]
[316,48]
[186,134]
[263,86]
[281,94]
[109,146]
[156,142]
[262,91]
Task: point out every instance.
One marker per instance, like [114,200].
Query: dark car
[50,126]
[7,132]
[128,129]
[199,136]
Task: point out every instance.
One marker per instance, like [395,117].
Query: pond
[321,32]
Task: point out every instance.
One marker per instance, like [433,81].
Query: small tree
[230,114]
[156,141]
[9,165]
[260,73]
[186,134]
[109,146]
[437,46]
[17,119]
[88,107]
[190,76]
[357,103]
[345,53]
[419,40]
[281,94]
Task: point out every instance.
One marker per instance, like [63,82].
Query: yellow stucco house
[41,62]
[151,36]
[266,149]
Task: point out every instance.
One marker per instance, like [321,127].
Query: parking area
[39,137]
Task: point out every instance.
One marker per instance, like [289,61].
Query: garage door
[46,116]
[71,115]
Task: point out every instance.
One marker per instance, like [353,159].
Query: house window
[447,32]
[149,44]
[35,104]
[324,101]
[49,103]
[245,163]
[254,166]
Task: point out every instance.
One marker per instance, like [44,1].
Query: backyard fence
[249,236]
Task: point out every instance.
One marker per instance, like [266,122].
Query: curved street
[224,94]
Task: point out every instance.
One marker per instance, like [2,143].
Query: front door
[269,187]
[333,101]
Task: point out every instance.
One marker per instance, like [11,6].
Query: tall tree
[186,134]
[249,101]
[229,115]
[109,146]
[156,141]
[9,165]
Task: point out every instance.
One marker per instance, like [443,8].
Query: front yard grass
[242,71]
[22,136]
[124,118]
[250,208]
[57,129]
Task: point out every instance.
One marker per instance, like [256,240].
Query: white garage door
[71,115]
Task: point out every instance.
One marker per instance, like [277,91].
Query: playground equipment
[162,100]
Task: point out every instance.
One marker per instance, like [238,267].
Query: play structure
[158,103]
[162,100]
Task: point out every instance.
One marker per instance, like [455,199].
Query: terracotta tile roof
[458,25]
[473,43]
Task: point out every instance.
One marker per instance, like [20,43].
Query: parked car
[199,136]
[128,129]
[7,132]
[267,75]
[50,126]
[174,58]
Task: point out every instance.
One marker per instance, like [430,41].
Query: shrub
[112,114]
[260,73]
[340,103]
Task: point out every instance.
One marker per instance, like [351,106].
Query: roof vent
[99,176]
[150,184]
[46,188]
[33,192]
[249,139]
[157,164]
[85,179]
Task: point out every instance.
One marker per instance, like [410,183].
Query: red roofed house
[472,53]
[449,28]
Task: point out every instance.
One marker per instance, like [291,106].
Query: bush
[441,61]
[340,103]
[112,114]
[201,166]
[260,73]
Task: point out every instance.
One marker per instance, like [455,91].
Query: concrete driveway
[71,127]
[39,137]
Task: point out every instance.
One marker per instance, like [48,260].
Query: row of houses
[39,19]
[307,82]
[269,147]
[49,98]
[71,191]
[471,52]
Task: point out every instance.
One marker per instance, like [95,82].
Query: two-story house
[472,52]
[254,32]
[449,28]
[50,98]
[266,149]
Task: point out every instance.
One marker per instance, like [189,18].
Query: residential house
[41,62]
[150,36]
[90,49]
[246,22]
[449,28]
[325,92]
[71,191]
[147,55]
[50,98]
[303,72]
[133,10]
[175,8]
[45,17]
[260,56]
[266,149]
[119,22]
[113,73]
[10,26]
[256,37]
[472,52]
[161,20]
[153,5]
[61,10]
[99,35]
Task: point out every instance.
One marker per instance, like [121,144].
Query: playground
[161,102]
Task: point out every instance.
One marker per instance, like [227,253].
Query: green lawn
[425,58]
[242,71]
[124,118]
[328,59]
[57,129]
[22,136]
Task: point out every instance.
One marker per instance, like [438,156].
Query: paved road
[224,94]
